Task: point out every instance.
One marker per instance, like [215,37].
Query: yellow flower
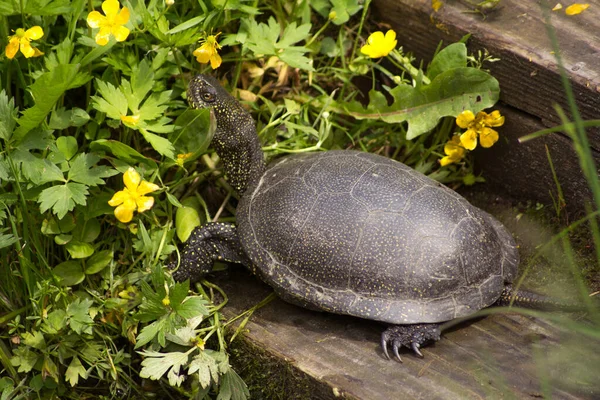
[576,8]
[166,301]
[182,158]
[111,24]
[133,196]
[21,39]
[209,51]
[436,4]
[479,126]
[130,120]
[454,151]
[378,45]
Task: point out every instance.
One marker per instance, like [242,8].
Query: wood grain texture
[486,359]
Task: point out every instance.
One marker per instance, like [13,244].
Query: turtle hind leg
[410,336]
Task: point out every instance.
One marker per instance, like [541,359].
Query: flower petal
[37,52]
[469,139]
[34,33]
[12,47]
[215,60]
[144,203]
[95,19]
[132,179]
[488,137]
[494,119]
[203,53]
[119,198]
[124,212]
[465,118]
[120,33]
[122,17]
[447,160]
[26,48]
[146,187]
[576,8]
[103,36]
[111,7]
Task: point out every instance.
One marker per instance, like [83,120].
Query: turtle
[351,232]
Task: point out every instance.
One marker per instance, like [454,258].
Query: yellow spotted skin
[350,233]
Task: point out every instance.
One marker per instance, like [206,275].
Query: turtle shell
[356,233]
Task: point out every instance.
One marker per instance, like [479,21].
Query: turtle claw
[415,346]
[409,336]
[384,345]
[395,345]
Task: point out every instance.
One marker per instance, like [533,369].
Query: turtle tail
[526,299]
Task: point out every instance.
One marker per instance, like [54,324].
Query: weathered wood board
[529,80]
[499,356]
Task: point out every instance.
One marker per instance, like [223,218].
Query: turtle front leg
[212,242]
[410,336]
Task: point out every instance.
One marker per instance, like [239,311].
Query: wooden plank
[529,82]
[514,32]
[488,358]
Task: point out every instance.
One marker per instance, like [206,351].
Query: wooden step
[529,81]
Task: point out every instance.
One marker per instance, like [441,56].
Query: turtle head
[206,92]
[235,138]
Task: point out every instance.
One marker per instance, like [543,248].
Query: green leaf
[67,145]
[190,23]
[449,94]
[69,272]
[34,339]
[56,321]
[206,368]
[142,80]
[192,307]
[194,132]
[62,119]
[79,249]
[113,102]
[99,261]
[78,314]
[156,364]
[74,371]
[232,387]
[148,333]
[122,152]
[83,171]
[262,39]
[62,239]
[160,144]
[62,198]
[24,358]
[344,9]
[450,57]
[8,115]
[187,218]
[46,90]
[88,231]
[7,239]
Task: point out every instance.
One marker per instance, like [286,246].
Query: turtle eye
[208,97]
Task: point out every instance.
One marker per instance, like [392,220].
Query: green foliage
[88,297]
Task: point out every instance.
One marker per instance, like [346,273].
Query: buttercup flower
[454,151]
[111,24]
[209,51]
[131,120]
[479,126]
[21,39]
[133,196]
[379,45]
